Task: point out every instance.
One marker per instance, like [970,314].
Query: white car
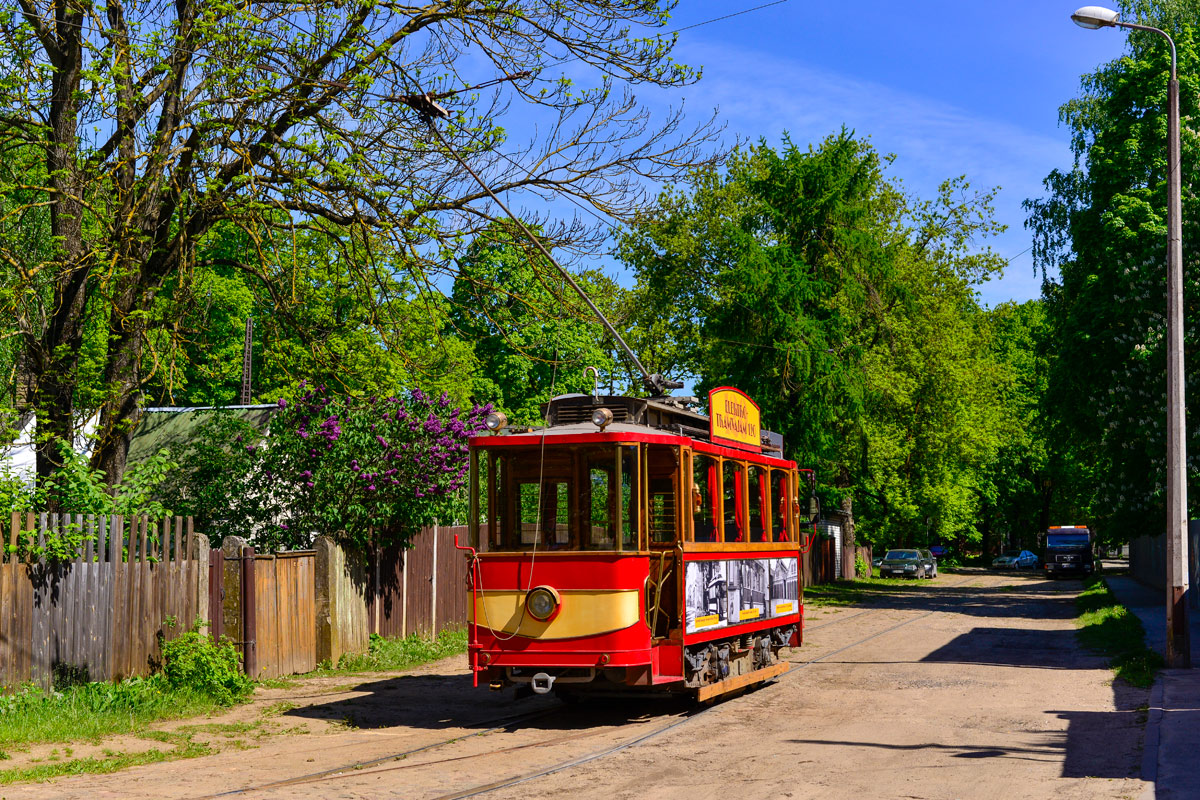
[1015,559]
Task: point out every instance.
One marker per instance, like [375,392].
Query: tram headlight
[601,418]
[542,603]
[495,421]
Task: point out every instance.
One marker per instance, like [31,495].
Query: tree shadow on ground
[1051,599]
[441,701]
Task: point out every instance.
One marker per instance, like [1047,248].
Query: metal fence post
[249,617]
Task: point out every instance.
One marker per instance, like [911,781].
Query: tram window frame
[567,473]
[710,468]
[758,501]
[628,459]
[736,498]
[788,531]
[676,532]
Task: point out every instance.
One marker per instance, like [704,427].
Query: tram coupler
[542,683]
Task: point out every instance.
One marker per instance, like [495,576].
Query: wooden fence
[820,564]
[420,590]
[288,611]
[100,615]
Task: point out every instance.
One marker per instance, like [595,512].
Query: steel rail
[497,723]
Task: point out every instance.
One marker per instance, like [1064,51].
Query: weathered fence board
[99,616]
[421,590]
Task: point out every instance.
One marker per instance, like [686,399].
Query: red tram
[633,545]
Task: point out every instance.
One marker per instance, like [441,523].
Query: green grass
[386,655]
[859,590]
[1108,628]
[110,762]
[90,711]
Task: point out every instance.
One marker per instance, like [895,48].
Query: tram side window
[704,499]
[783,531]
[662,473]
[552,518]
[733,488]
[760,507]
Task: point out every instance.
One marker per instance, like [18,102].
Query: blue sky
[949,88]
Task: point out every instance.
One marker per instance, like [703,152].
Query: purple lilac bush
[347,466]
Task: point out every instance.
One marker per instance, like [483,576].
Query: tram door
[661,464]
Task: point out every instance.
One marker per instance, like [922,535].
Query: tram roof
[621,432]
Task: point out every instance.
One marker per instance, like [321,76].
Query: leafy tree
[847,310]
[1103,226]
[330,331]
[360,469]
[531,335]
[154,126]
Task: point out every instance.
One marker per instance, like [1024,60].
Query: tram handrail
[473,644]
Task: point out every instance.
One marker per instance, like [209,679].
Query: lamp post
[1179,652]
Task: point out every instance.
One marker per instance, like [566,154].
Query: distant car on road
[1015,559]
[908,564]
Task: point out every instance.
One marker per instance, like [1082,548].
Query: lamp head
[1093,17]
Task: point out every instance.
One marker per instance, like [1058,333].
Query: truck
[1069,550]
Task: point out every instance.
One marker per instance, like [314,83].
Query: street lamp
[1179,652]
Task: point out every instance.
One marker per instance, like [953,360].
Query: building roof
[175,427]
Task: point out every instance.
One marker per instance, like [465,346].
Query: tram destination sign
[734,418]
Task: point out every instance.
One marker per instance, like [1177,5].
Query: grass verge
[90,711]
[1112,630]
[385,655]
[110,762]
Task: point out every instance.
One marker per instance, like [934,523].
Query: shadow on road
[449,701]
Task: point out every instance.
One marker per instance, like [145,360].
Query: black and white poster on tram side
[726,592]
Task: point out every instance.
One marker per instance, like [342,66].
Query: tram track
[376,766]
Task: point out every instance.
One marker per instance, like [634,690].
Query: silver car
[1015,559]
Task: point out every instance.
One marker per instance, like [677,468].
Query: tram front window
[561,498]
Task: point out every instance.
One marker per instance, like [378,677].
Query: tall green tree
[847,310]
[1103,226]
[155,125]
[530,334]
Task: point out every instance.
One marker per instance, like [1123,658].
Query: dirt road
[970,686]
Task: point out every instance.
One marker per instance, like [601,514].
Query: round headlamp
[495,421]
[542,603]
[601,417]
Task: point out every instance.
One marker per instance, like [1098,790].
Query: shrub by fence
[98,616]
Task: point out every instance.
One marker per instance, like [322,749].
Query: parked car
[908,564]
[930,562]
[939,550]
[877,560]
[1015,559]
